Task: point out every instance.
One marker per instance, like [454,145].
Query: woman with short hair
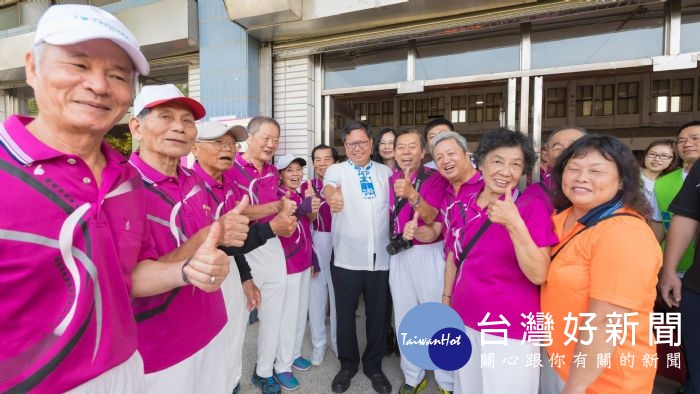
[498,256]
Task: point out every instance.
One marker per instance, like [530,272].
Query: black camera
[397,244]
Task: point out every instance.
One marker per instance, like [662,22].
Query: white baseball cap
[154,95]
[283,162]
[74,23]
[212,130]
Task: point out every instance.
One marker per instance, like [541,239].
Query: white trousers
[321,292]
[269,268]
[127,377]
[237,312]
[296,307]
[502,376]
[416,276]
[202,372]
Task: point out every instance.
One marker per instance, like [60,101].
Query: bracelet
[448,296]
[415,203]
[182,270]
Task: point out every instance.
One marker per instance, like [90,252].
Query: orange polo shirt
[615,261]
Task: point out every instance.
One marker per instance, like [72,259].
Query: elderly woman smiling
[498,258]
[605,266]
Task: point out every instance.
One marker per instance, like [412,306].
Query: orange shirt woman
[605,265]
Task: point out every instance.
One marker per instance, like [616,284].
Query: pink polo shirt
[468,189]
[432,190]
[176,324]
[261,187]
[541,190]
[67,249]
[490,279]
[222,193]
[297,247]
[324,217]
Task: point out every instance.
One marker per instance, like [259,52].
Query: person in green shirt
[666,187]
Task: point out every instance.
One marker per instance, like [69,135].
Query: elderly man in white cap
[73,223]
[214,151]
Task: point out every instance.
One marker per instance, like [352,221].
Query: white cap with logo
[74,23]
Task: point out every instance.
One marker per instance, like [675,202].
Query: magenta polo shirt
[67,249]
[261,187]
[490,279]
[176,324]
[432,189]
[468,189]
[541,190]
[222,193]
[324,217]
[297,247]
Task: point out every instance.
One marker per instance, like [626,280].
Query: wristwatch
[415,203]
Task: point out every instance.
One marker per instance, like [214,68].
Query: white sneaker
[317,355]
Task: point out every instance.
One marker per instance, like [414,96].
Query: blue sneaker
[301,364]
[287,380]
[267,385]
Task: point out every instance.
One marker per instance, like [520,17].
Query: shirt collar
[27,149]
[358,168]
[600,212]
[206,177]
[150,174]
[267,166]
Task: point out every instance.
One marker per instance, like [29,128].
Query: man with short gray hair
[257,178]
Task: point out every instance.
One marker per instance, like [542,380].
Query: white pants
[416,276]
[296,307]
[502,377]
[126,377]
[202,372]
[321,292]
[269,268]
[237,312]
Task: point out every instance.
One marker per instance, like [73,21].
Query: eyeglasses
[693,140]
[218,144]
[358,144]
[661,156]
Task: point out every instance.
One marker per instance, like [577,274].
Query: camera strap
[472,242]
[402,203]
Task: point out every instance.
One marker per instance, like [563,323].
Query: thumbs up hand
[284,224]
[309,192]
[336,200]
[403,186]
[287,205]
[504,212]
[209,265]
[234,225]
[409,230]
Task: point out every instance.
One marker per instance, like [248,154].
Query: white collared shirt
[361,230]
